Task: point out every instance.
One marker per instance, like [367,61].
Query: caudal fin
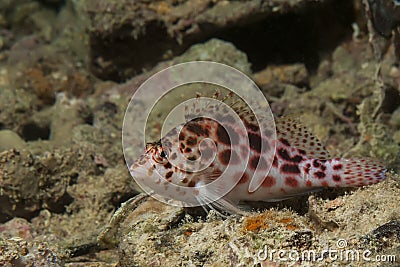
[362,171]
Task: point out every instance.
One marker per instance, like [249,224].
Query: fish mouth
[144,176]
[150,146]
[140,166]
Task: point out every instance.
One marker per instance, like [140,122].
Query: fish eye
[163,154]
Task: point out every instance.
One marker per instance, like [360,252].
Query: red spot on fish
[308,183]
[254,161]
[316,163]
[222,135]
[244,178]
[191,141]
[292,182]
[168,165]
[275,162]
[195,128]
[324,183]
[169,174]
[289,168]
[307,168]
[336,178]
[319,175]
[269,181]
[251,126]
[255,142]
[192,158]
[284,141]
[224,156]
[301,151]
[283,153]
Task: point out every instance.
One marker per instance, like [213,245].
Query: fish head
[181,157]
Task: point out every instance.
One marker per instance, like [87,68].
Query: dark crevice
[391,101]
[133,55]
[304,37]
[89,119]
[58,205]
[73,179]
[5,217]
[53,4]
[120,197]
[10,209]
[32,131]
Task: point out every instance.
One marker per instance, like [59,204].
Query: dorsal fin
[291,129]
[230,99]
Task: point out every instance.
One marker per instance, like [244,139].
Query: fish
[293,162]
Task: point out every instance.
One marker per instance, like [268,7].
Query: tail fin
[362,171]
